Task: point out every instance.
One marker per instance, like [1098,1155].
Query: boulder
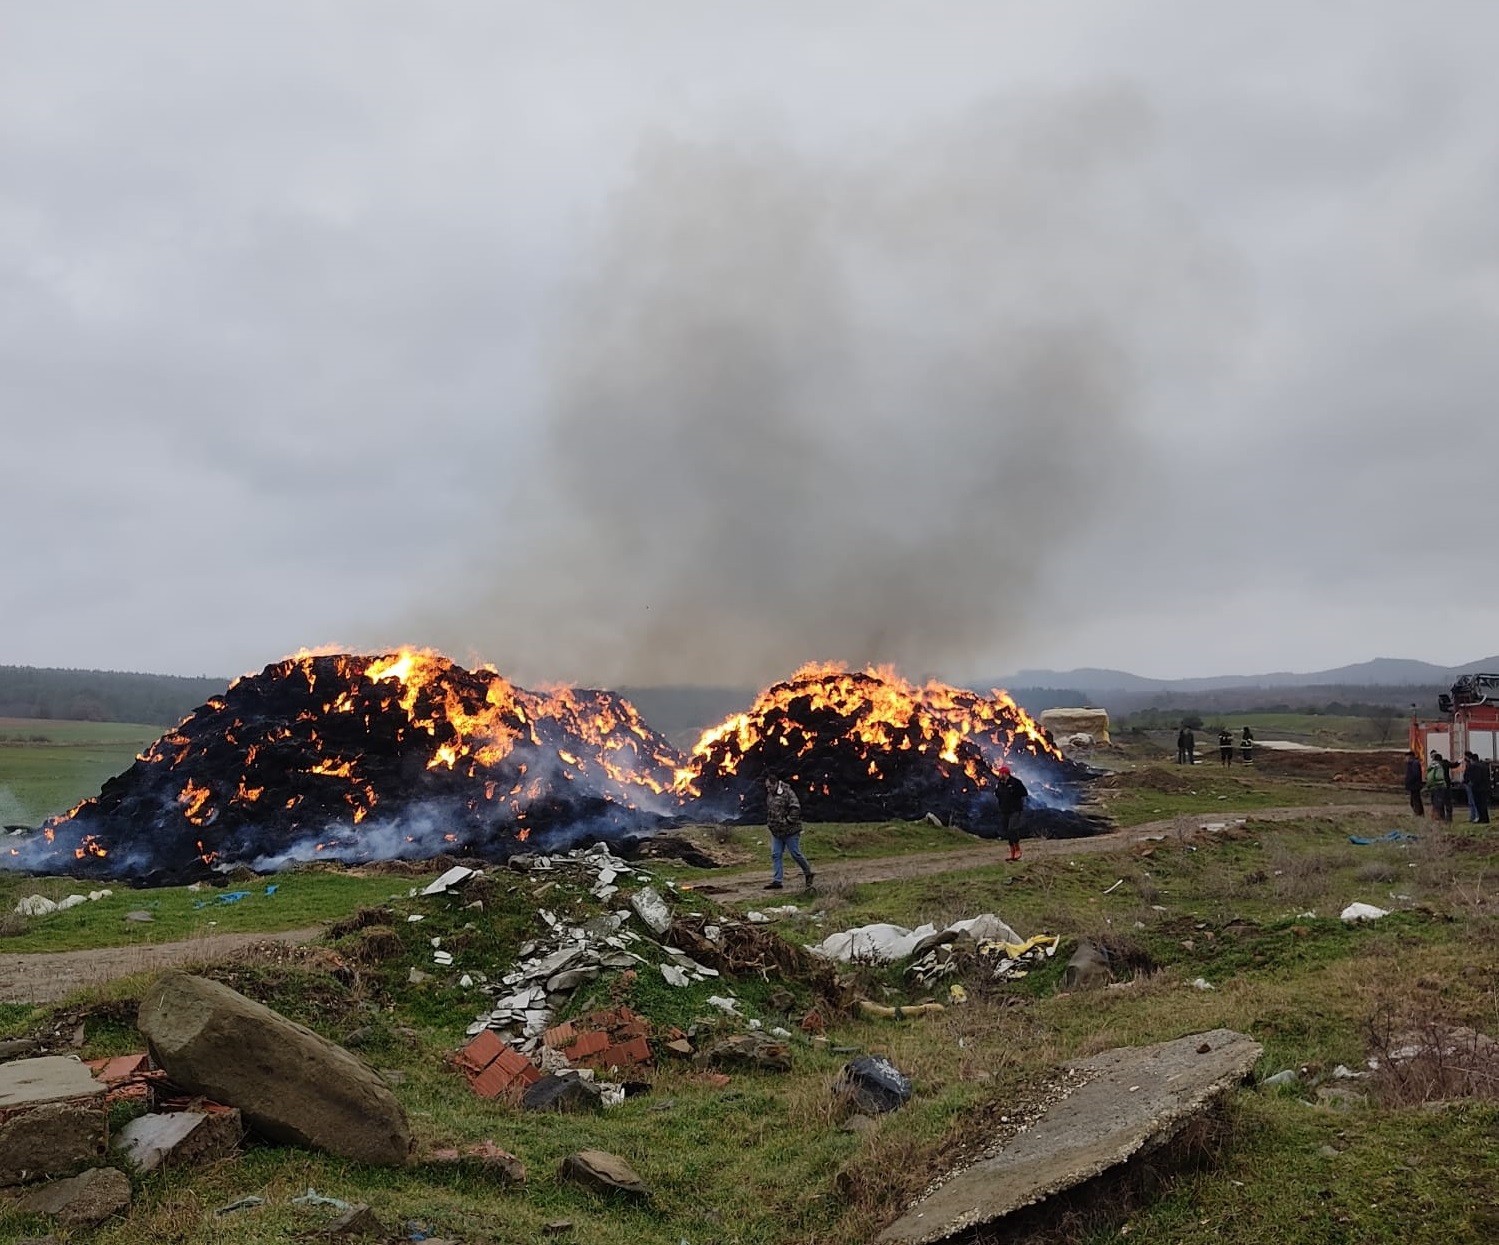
[87,1199]
[291,1085]
[603,1173]
[176,1138]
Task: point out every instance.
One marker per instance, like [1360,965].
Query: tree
[1383,718]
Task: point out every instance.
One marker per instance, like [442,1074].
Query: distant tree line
[101,695]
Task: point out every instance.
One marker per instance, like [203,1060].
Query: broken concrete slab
[179,1138]
[52,1118]
[49,1078]
[356,1221]
[85,1199]
[748,1050]
[291,1085]
[603,1172]
[51,1139]
[1132,1099]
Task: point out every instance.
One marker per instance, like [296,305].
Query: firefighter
[1011,794]
[1225,746]
[1246,746]
[1415,778]
[783,817]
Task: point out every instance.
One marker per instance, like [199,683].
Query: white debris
[465,981]
[436,942]
[757,918]
[414,918]
[652,909]
[729,1007]
[1115,887]
[35,905]
[443,959]
[674,975]
[1202,983]
[1362,912]
[455,876]
[885,944]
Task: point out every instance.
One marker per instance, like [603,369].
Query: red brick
[120,1068]
[624,1054]
[505,1076]
[591,1043]
[559,1036]
[480,1053]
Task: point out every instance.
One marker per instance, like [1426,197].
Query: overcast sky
[687,341]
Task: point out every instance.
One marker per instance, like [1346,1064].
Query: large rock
[1132,1099]
[52,1118]
[87,1199]
[290,1085]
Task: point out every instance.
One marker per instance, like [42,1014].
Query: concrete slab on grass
[1136,1098]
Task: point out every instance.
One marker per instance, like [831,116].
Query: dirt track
[749,886]
[46,976]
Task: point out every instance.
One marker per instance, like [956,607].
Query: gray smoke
[821,405]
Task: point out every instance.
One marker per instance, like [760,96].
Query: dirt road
[45,976]
[749,886]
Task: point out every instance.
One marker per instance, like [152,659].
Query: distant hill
[1381,672]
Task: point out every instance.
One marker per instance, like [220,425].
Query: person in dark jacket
[1479,780]
[1415,779]
[1246,746]
[1181,746]
[783,818]
[1011,794]
[1225,747]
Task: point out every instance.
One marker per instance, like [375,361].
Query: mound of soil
[1373,769]
[1152,778]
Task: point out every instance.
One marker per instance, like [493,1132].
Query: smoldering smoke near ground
[840,406]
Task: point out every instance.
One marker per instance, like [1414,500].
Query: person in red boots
[1011,793]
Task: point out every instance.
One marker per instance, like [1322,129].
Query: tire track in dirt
[46,976]
[746,886]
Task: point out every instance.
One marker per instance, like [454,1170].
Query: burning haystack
[367,757]
[870,745]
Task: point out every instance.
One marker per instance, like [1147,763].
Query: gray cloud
[305,312]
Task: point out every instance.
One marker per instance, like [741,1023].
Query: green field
[764,1161]
[47,765]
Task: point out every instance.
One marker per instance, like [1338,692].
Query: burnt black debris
[356,757]
[409,756]
[870,746]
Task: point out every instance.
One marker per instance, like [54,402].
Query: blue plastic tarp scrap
[1394,836]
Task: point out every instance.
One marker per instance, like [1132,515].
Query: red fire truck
[1470,721]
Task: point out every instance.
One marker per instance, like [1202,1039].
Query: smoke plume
[812,405]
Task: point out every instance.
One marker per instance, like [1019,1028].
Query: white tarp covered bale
[1063,723]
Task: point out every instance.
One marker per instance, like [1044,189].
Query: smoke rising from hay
[841,406]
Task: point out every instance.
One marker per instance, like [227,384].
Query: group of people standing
[1186,746]
[1437,783]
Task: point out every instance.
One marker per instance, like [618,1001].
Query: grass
[764,1161]
[47,766]
[301,899]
